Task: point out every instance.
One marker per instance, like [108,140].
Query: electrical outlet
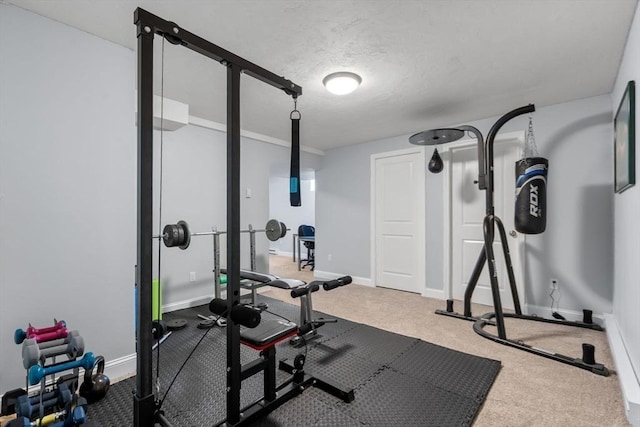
[554,285]
[192,276]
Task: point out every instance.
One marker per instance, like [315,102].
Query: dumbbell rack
[58,406]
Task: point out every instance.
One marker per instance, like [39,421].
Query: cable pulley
[179,234]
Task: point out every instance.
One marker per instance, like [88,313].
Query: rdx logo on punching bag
[533,200]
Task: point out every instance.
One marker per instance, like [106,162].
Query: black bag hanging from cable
[294,180]
[531,188]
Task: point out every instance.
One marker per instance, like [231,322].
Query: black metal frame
[146,412]
[487,256]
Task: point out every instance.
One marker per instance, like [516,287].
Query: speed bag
[531,195]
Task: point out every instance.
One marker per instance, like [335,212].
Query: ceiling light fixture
[342,83]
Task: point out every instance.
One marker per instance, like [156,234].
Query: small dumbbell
[31,332]
[37,372]
[19,422]
[59,341]
[62,419]
[27,406]
[33,353]
[77,417]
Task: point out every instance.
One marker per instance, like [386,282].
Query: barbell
[179,234]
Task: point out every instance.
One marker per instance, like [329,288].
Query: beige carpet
[530,390]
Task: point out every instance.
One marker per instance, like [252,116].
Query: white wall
[67,186]
[627,221]
[293,217]
[577,247]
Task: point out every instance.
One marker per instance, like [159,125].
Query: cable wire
[160,212]
[186,360]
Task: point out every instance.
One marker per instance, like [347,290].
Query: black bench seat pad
[267,332]
[268,279]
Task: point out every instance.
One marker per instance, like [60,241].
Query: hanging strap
[294,180]
[530,147]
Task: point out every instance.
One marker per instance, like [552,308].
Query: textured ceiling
[424,64]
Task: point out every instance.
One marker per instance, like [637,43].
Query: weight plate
[186,241]
[273,230]
[284,229]
[170,235]
[174,324]
[206,324]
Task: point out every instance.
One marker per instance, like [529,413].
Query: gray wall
[577,247]
[281,209]
[67,186]
[68,190]
[627,214]
[194,186]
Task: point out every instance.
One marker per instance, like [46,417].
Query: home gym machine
[491,221]
[148,411]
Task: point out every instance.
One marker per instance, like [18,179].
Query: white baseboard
[434,293]
[318,274]
[180,305]
[120,368]
[567,314]
[629,382]
[282,253]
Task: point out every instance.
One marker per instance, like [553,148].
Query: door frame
[421,151]
[519,138]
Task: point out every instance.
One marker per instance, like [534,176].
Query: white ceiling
[424,64]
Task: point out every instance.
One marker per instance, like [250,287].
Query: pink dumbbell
[59,330]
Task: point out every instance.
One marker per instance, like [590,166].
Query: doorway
[467,210]
[398,213]
[281,252]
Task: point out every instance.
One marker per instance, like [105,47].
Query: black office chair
[308,231]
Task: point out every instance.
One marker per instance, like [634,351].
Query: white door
[467,213]
[398,206]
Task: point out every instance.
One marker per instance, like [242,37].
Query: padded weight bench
[263,335]
[252,280]
[302,290]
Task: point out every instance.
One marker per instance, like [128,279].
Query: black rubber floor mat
[391,398]
[373,344]
[397,380]
[451,370]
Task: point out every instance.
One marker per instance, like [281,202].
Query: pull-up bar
[145,411]
[149,23]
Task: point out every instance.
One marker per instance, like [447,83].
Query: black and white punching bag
[531,195]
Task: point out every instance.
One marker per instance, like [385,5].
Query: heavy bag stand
[147,411]
[487,256]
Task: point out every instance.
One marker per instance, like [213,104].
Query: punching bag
[531,195]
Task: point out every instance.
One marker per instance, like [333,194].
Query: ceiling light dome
[342,83]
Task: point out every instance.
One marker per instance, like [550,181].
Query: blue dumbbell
[27,406]
[37,372]
[19,422]
[77,417]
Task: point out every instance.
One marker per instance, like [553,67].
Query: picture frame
[624,134]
